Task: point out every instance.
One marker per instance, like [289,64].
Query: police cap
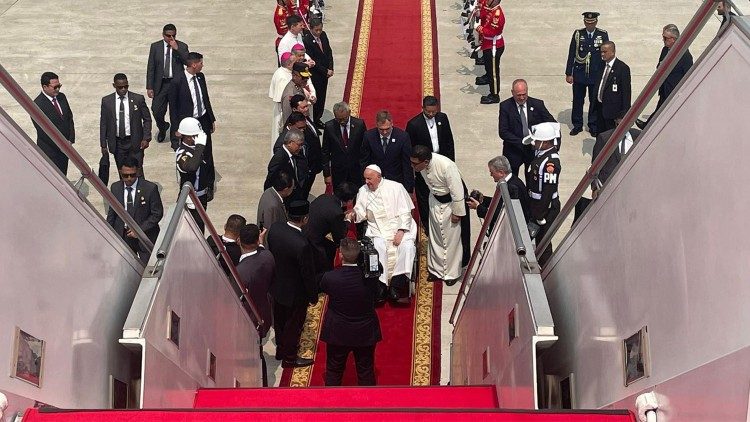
[590,17]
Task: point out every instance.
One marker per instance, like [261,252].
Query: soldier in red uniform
[493,45]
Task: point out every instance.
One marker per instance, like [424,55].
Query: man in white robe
[279,81]
[446,208]
[387,207]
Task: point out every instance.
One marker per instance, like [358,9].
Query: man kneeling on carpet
[387,206]
[350,323]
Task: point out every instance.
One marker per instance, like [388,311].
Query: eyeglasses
[128,175]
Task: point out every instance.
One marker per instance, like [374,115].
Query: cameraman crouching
[350,323]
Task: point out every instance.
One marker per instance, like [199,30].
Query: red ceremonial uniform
[279,19]
[491,28]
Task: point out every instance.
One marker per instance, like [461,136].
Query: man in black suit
[319,49]
[669,35]
[142,201]
[432,129]
[125,123]
[166,61]
[188,97]
[294,285]
[257,269]
[350,323]
[54,105]
[613,91]
[229,239]
[312,148]
[517,114]
[627,142]
[289,158]
[326,226]
[342,144]
[389,148]
[499,168]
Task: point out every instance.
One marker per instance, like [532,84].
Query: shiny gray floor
[87,42]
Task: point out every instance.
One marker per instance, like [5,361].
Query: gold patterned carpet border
[421,368]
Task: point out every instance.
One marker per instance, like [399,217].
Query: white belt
[535,195]
[494,41]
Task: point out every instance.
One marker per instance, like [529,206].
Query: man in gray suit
[166,60]
[125,123]
[271,204]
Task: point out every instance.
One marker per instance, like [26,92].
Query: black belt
[166,79]
[444,199]
[127,138]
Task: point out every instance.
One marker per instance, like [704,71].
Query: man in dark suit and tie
[326,225]
[125,123]
[319,49]
[432,129]
[289,158]
[613,91]
[166,60]
[517,114]
[350,323]
[627,142]
[54,105]
[389,148]
[342,144]
[142,201]
[229,239]
[499,168]
[294,285]
[188,97]
[312,149]
[257,270]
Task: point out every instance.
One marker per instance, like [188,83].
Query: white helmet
[191,127]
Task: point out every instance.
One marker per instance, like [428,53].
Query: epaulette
[601,30]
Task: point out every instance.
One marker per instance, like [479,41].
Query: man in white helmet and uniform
[387,206]
[191,163]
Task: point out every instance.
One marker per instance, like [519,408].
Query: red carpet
[385,71]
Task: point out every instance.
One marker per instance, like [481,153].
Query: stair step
[435,397]
[326,415]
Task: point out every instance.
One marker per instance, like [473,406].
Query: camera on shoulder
[369,261]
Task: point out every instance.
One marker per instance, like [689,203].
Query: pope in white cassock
[387,207]
[446,208]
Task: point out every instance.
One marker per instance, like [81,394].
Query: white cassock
[280,79]
[388,209]
[445,251]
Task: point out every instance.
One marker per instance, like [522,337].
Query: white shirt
[288,41]
[117,114]
[191,86]
[125,194]
[432,128]
[245,255]
[50,100]
[627,143]
[171,57]
[294,227]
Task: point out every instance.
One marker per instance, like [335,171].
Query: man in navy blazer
[350,323]
[613,90]
[389,148]
[514,126]
[54,105]
[181,105]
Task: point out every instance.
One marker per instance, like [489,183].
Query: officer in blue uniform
[584,70]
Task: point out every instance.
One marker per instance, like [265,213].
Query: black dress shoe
[161,136]
[452,282]
[489,99]
[482,80]
[296,363]
[641,123]
[576,131]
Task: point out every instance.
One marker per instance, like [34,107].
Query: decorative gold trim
[308,342]
[428,78]
[360,61]
[421,369]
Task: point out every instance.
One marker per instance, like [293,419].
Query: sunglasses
[128,175]
[122,86]
[58,86]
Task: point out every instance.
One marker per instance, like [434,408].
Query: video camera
[369,259]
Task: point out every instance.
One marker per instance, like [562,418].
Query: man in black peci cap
[294,285]
[584,70]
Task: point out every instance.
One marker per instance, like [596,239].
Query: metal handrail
[477,247]
[675,53]
[166,243]
[515,231]
[87,172]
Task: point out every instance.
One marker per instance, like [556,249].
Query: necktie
[345,136]
[198,100]
[320,44]
[129,202]
[293,160]
[524,121]
[121,121]
[384,141]
[604,82]
[57,106]
[168,63]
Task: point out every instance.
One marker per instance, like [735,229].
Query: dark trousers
[196,216]
[58,158]
[423,199]
[551,216]
[321,89]
[517,155]
[364,360]
[140,250]
[288,322]
[492,68]
[576,115]
[159,106]
[127,148]
[602,124]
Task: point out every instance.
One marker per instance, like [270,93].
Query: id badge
[614,87]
